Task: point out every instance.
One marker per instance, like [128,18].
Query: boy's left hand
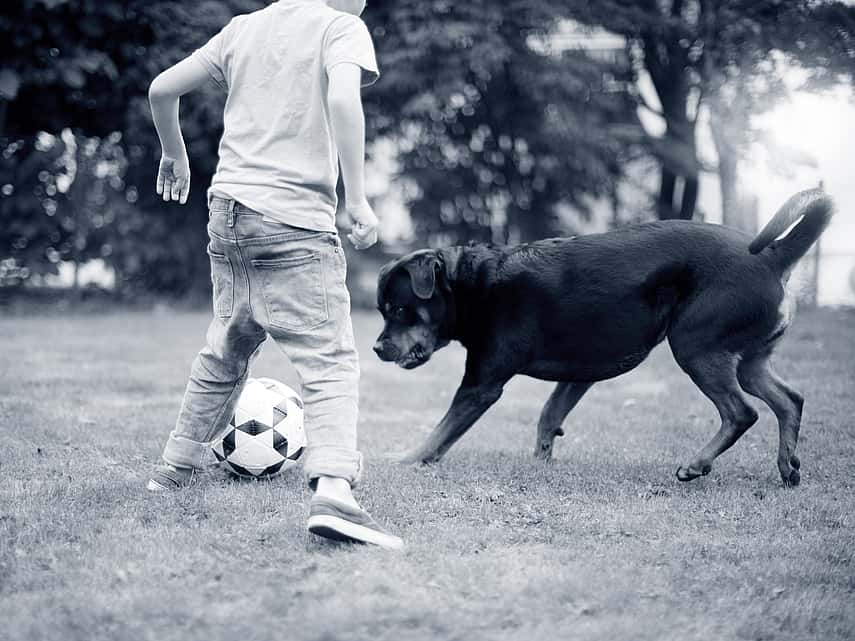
[173,178]
[364,231]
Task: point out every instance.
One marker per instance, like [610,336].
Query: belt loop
[231,218]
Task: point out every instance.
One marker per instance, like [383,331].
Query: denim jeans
[288,283]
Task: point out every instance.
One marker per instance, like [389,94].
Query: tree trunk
[727,179]
[738,209]
[667,184]
[690,197]
[76,284]
[678,153]
[667,63]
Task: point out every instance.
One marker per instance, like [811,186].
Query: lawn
[603,543]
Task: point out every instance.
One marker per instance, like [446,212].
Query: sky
[821,126]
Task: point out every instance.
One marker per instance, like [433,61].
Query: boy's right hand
[363,234]
[173,178]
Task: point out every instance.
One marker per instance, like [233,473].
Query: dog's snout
[385,349]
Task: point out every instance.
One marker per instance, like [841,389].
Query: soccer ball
[265,436]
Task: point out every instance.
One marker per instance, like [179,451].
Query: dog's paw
[789,469]
[543,452]
[690,472]
[543,449]
[793,479]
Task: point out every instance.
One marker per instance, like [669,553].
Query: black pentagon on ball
[280,443]
[280,413]
[239,469]
[272,469]
[295,454]
[229,443]
[252,427]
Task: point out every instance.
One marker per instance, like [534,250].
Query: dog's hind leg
[715,375]
[758,379]
[563,399]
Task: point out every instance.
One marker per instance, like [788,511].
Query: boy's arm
[348,124]
[173,176]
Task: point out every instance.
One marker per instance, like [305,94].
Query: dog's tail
[815,209]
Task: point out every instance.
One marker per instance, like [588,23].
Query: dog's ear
[423,270]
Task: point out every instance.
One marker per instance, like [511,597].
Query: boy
[292,72]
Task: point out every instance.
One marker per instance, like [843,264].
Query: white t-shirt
[277,154]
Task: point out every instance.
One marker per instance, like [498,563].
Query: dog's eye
[399,310]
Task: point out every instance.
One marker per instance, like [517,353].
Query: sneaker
[333,520]
[167,477]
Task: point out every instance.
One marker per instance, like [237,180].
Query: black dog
[581,310]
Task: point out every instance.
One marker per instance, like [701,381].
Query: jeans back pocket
[223,281]
[294,291]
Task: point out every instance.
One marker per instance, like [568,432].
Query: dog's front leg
[469,403]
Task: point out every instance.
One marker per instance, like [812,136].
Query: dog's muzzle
[390,352]
[385,350]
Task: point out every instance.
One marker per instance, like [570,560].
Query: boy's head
[348,6]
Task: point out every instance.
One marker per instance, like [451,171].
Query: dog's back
[650,279]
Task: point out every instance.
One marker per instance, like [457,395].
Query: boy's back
[277,154]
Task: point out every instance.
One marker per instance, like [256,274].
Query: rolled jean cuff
[183,452]
[325,460]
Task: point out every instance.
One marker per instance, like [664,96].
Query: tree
[86,67]
[662,41]
[749,46]
[720,54]
[494,128]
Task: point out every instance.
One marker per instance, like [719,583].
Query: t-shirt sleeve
[348,40]
[211,55]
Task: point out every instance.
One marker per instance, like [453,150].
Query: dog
[589,308]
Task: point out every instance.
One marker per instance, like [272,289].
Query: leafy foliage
[494,129]
[85,67]
[722,54]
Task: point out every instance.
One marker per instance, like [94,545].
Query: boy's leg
[330,380]
[217,377]
[324,356]
[220,370]
[308,314]
[328,364]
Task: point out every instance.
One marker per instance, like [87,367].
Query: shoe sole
[338,529]
[154,486]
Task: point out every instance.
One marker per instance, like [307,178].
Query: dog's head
[414,296]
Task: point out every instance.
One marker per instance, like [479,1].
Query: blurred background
[492,121]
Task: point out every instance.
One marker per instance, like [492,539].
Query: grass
[603,543]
